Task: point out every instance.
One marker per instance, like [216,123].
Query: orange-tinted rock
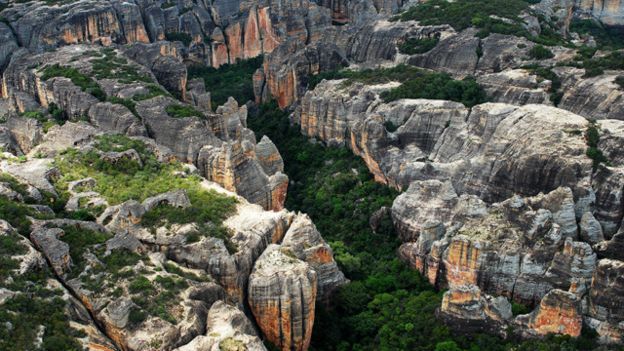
[92,28]
[282,294]
[558,313]
[462,262]
[234,37]
[252,40]
[220,54]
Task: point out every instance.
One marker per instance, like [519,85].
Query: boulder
[282,294]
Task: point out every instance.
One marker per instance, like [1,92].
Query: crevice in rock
[70,291]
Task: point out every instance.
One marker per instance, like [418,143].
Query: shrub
[418,46]
[417,83]
[183,111]
[141,285]
[233,80]
[592,137]
[185,38]
[619,80]
[82,81]
[79,240]
[538,52]
[37,115]
[518,309]
[111,66]
[607,38]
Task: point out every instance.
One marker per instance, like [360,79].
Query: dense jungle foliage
[387,305]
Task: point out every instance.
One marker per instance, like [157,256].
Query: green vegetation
[79,239]
[183,111]
[386,306]
[128,179]
[233,80]
[418,46]
[592,137]
[518,309]
[606,38]
[619,80]
[416,83]
[155,297]
[111,66]
[208,209]
[186,39]
[595,66]
[489,16]
[84,82]
[16,214]
[538,52]
[34,305]
[547,73]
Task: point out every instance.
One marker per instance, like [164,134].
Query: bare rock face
[609,12]
[605,300]
[559,312]
[596,97]
[444,140]
[516,87]
[8,44]
[468,310]
[282,291]
[227,329]
[307,244]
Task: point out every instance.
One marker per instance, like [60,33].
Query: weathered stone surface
[227,329]
[609,12]
[113,118]
[596,97]
[532,252]
[467,310]
[605,300]
[282,291]
[269,156]
[559,312]
[517,87]
[305,241]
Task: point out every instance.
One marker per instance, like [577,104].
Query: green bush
[82,81]
[416,83]
[110,66]
[141,285]
[79,240]
[183,111]
[538,52]
[387,305]
[185,38]
[619,80]
[490,16]
[233,80]
[418,46]
[37,115]
[606,37]
[518,309]
[547,73]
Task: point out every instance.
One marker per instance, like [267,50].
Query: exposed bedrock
[219,144]
[527,249]
[282,291]
[491,150]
